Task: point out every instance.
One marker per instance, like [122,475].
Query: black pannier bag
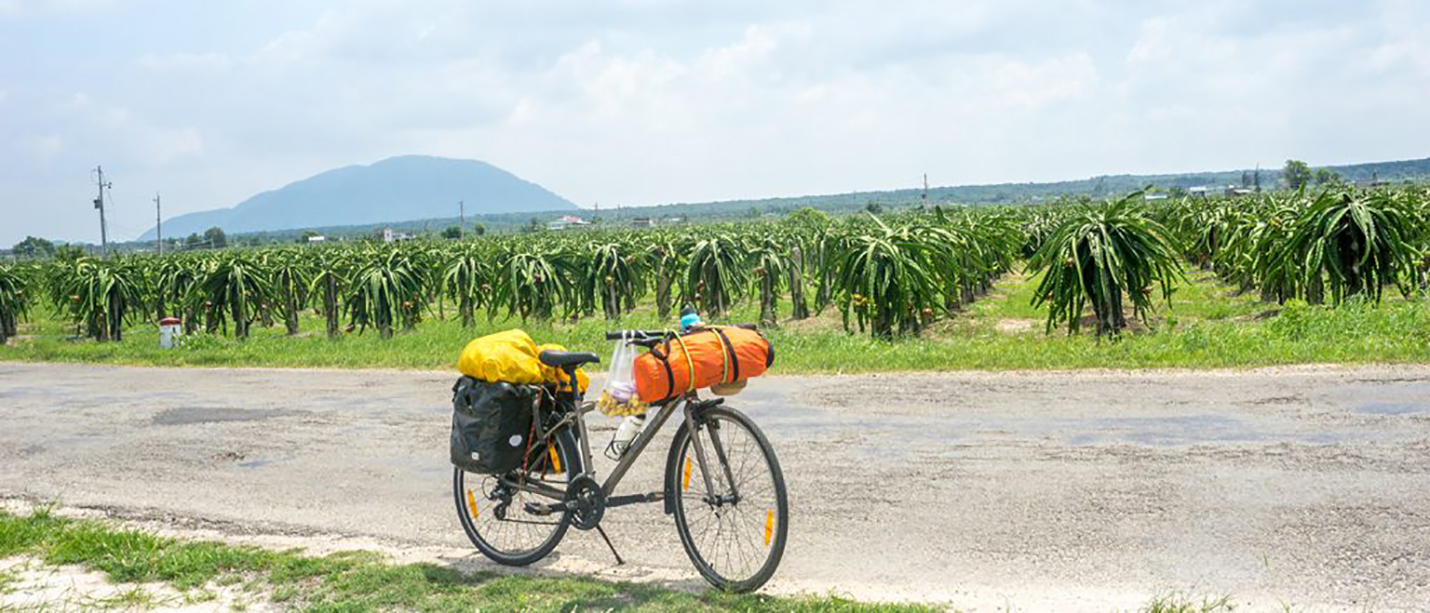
[490,424]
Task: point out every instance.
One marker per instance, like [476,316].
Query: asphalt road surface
[1307,487]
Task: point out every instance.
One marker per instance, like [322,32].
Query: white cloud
[638,102]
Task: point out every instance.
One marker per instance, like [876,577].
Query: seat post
[571,380]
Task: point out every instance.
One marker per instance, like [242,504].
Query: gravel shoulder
[1305,486]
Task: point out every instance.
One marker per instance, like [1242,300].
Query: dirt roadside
[1307,487]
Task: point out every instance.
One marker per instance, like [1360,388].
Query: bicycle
[722,484]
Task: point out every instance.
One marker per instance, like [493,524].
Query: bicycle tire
[779,515]
[569,454]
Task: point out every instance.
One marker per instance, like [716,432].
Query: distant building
[1237,190]
[1199,191]
[392,236]
[1154,196]
[642,222]
[566,221]
[322,239]
[1375,181]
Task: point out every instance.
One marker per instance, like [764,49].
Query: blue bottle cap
[689,321]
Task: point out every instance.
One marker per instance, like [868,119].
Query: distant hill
[393,190]
[1019,193]
[440,214]
[990,194]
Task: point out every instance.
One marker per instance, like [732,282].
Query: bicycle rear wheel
[494,514]
[733,521]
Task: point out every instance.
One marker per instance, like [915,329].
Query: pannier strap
[689,362]
[669,374]
[729,354]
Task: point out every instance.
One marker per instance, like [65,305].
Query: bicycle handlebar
[655,335]
[635,335]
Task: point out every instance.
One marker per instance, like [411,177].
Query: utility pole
[99,204]
[158,225]
[925,195]
[1257,180]
[462,211]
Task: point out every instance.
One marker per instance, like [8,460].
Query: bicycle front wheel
[733,515]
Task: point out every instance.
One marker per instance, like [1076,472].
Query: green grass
[7,581]
[1205,326]
[351,581]
[1182,603]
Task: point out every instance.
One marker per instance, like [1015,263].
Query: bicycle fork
[697,424]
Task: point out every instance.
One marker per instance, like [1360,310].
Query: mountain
[395,189]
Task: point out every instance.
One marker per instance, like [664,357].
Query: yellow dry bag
[511,356]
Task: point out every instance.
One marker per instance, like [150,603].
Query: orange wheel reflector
[769,526]
[472,504]
[555,461]
[685,487]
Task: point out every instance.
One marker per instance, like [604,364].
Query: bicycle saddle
[560,359]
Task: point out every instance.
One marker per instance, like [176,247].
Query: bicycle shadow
[634,586]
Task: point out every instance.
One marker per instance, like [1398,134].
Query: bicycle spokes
[508,517]
[731,502]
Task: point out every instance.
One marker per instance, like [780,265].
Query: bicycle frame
[575,412]
[634,451]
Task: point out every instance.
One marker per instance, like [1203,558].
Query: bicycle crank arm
[620,501]
[543,509]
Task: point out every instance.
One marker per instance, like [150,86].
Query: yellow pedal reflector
[686,486]
[555,461]
[472,504]
[769,526]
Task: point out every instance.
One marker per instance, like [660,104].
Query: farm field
[1339,275]
[1207,325]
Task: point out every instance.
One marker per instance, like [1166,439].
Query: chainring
[589,502]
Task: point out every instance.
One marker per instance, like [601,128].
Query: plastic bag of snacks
[618,395]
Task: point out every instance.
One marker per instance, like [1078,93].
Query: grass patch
[7,581]
[1207,325]
[353,581]
[1182,603]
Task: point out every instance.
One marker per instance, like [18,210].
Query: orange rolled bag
[703,358]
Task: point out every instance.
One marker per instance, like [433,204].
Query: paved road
[1096,491]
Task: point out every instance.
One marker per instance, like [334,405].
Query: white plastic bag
[618,394]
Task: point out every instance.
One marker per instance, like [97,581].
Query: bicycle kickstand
[602,531]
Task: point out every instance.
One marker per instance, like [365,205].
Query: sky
[649,102]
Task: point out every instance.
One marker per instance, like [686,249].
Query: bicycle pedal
[538,509]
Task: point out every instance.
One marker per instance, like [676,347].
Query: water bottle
[626,433]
